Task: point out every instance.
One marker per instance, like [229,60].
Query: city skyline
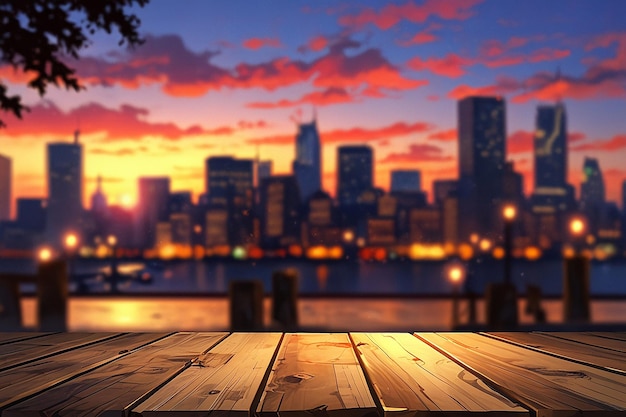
[388,76]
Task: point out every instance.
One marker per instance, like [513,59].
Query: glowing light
[509,212]
[485,245]
[112,240]
[577,226]
[126,201]
[474,238]
[590,239]
[167,251]
[532,253]
[420,251]
[45,254]
[197,229]
[455,274]
[465,251]
[348,236]
[317,252]
[498,252]
[239,252]
[71,240]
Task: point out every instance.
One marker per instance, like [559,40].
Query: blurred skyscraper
[409,180]
[592,191]
[280,217]
[307,167]
[482,152]
[354,173]
[65,190]
[263,170]
[5,187]
[152,209]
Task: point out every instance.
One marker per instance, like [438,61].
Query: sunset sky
[231,77]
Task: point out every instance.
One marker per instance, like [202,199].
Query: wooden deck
[314,374]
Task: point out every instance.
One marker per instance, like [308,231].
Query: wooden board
[224,381]
[118,386]
[11,337]
[591,339]
[24,351]
[567,349]
[611,335]
[411,377]
[316,373]
[35,377]
[548,385]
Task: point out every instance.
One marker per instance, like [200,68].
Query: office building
[65,190]
[31,214]
[98,199]
[263,170]
[482,152]
[592,190]
[406,180]
[5,188]
[280,218]
[307,166]
[355,173]
[152,208]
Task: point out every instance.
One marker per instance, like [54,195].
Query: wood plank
[567,349]
[224,381]
[591,339]
[550,386]
[27,380]
[22,352]
[410,377]
[116,387]
[11,337]
[316,373]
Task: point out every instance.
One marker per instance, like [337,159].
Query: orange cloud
[125,123]
[333,95]
[392,14]
[417,153]
[616,143]
[356,134]
[444,135]
[318,43]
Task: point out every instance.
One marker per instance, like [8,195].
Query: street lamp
[576,276]
[45,254]
[456,275]
[71,243]
[509,212]
[112,241]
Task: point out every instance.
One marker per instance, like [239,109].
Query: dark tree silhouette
[37,36]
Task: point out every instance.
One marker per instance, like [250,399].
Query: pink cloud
[165,60]
[444,135]
[392,14]
[451,65]
[258,43]
[616,143]
[125,123]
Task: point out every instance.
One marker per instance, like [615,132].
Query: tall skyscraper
[280,218]
[482,152]
[406,180]
[354,173]
[230,186]
[263,170]
[307,167]
[152,209]
[5,187]
[65,190]
[98,199]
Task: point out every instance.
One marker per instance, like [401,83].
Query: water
[345,278]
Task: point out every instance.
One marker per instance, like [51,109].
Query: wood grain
[567,349]
[550,386]
[224,381]
[12,337]
[21,352]
[410,378]
[117,386]
[24,381]
[316,374]
[592,339]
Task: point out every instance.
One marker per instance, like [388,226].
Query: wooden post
[285,299]
[10,309]
[533,303]
[576,271]
[246,305]
[52,294]
[501,305]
